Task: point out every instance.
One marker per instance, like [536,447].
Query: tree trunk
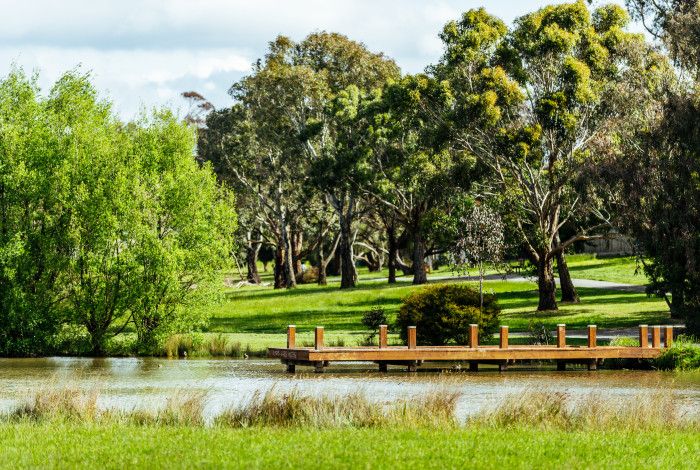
[290,278]
[280,279]
[348,274]
[568,290]
[545,283]
[374,263]
[297,241]
[393,253]
[333,267]
[251,261]
[677,301]
[322,263]
[419,274]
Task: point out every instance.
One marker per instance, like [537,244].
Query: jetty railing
[411,355]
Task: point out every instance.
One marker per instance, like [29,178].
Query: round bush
[442,314]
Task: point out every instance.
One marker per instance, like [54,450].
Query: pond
[130,383]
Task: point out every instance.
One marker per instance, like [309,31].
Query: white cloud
[145,52]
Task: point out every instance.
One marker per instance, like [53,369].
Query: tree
[33,220]
[185,233]
[332,142]
[103,223]
[480,242]
[414,171]
[658,174]
[530,102]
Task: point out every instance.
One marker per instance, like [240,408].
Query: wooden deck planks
[462,354]
[412,355]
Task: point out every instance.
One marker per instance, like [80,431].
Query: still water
[130,383]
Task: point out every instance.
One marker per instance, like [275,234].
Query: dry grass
[190,345]
[58,403]
[557,410]
[356,410]
[536,409]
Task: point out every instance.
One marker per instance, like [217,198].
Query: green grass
[65,445]
[258,316]
[622,269]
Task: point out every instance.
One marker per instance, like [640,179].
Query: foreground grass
[65,445]
[64,429]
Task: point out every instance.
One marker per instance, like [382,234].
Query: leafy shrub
[442,313]
[539,333]
[684,354]
[372,319]
[308,275]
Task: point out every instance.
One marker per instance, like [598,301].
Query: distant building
[616,245]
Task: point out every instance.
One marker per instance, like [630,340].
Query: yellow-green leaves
[577,78]
[610,16]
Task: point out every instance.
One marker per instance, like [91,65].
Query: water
[131,383]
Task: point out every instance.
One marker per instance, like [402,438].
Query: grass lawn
[51,445]
[623,269]
[258,316]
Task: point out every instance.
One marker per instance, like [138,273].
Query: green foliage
[443,313]
[102,222]
[372,319]
[684,354]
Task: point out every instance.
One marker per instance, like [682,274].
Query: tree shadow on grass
[306,290]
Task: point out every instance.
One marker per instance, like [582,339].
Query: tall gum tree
[414,171]
[331,140]
[530,102]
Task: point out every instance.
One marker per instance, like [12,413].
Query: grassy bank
[65,429]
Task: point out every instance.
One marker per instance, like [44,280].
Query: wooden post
[561,335]
[592,336]
[503,343]
[318,338]
[318,367]
[643,336]
[291,368]
[593,364]
[473,366]
[668,336]
[411,337]
[291,336]
[561,365]
[383,366]
[382,336]
[656,336]
[473,336]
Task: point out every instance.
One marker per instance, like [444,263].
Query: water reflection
[147,382]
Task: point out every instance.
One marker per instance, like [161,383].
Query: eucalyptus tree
[254,144]
[333,141]
[529,104]
[414,170]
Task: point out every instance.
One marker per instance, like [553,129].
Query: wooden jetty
[411,356]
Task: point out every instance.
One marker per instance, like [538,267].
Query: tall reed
[538,409]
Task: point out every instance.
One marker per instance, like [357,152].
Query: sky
[144,53]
